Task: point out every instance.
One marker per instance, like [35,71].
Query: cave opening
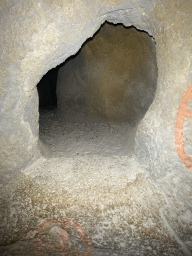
[93,102]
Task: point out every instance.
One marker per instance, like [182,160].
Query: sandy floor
[75,134]
[93,178]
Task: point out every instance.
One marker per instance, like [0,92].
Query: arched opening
[93,103]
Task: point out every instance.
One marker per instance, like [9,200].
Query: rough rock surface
[142,201]
[114,75]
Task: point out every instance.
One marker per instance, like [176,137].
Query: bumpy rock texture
[114,75]
[119,202]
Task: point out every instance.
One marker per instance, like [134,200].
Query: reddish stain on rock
[182,114]
[61,248]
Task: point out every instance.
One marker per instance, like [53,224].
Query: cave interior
[93,102]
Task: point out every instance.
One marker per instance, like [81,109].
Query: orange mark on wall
[182,114]
[61,248]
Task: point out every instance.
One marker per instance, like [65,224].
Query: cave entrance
[93,103]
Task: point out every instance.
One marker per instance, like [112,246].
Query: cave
[95,127]
[93,102]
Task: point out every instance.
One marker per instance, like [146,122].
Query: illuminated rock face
[114,75]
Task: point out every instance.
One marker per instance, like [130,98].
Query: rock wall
[114,75]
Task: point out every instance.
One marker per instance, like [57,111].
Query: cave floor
[91,165]
[76,134]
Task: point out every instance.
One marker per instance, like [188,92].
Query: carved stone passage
[114,75]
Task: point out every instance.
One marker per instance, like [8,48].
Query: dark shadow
[47,90]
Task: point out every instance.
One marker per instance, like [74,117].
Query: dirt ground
[92,167]
[75,133]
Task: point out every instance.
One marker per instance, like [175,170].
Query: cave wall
[114,75]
